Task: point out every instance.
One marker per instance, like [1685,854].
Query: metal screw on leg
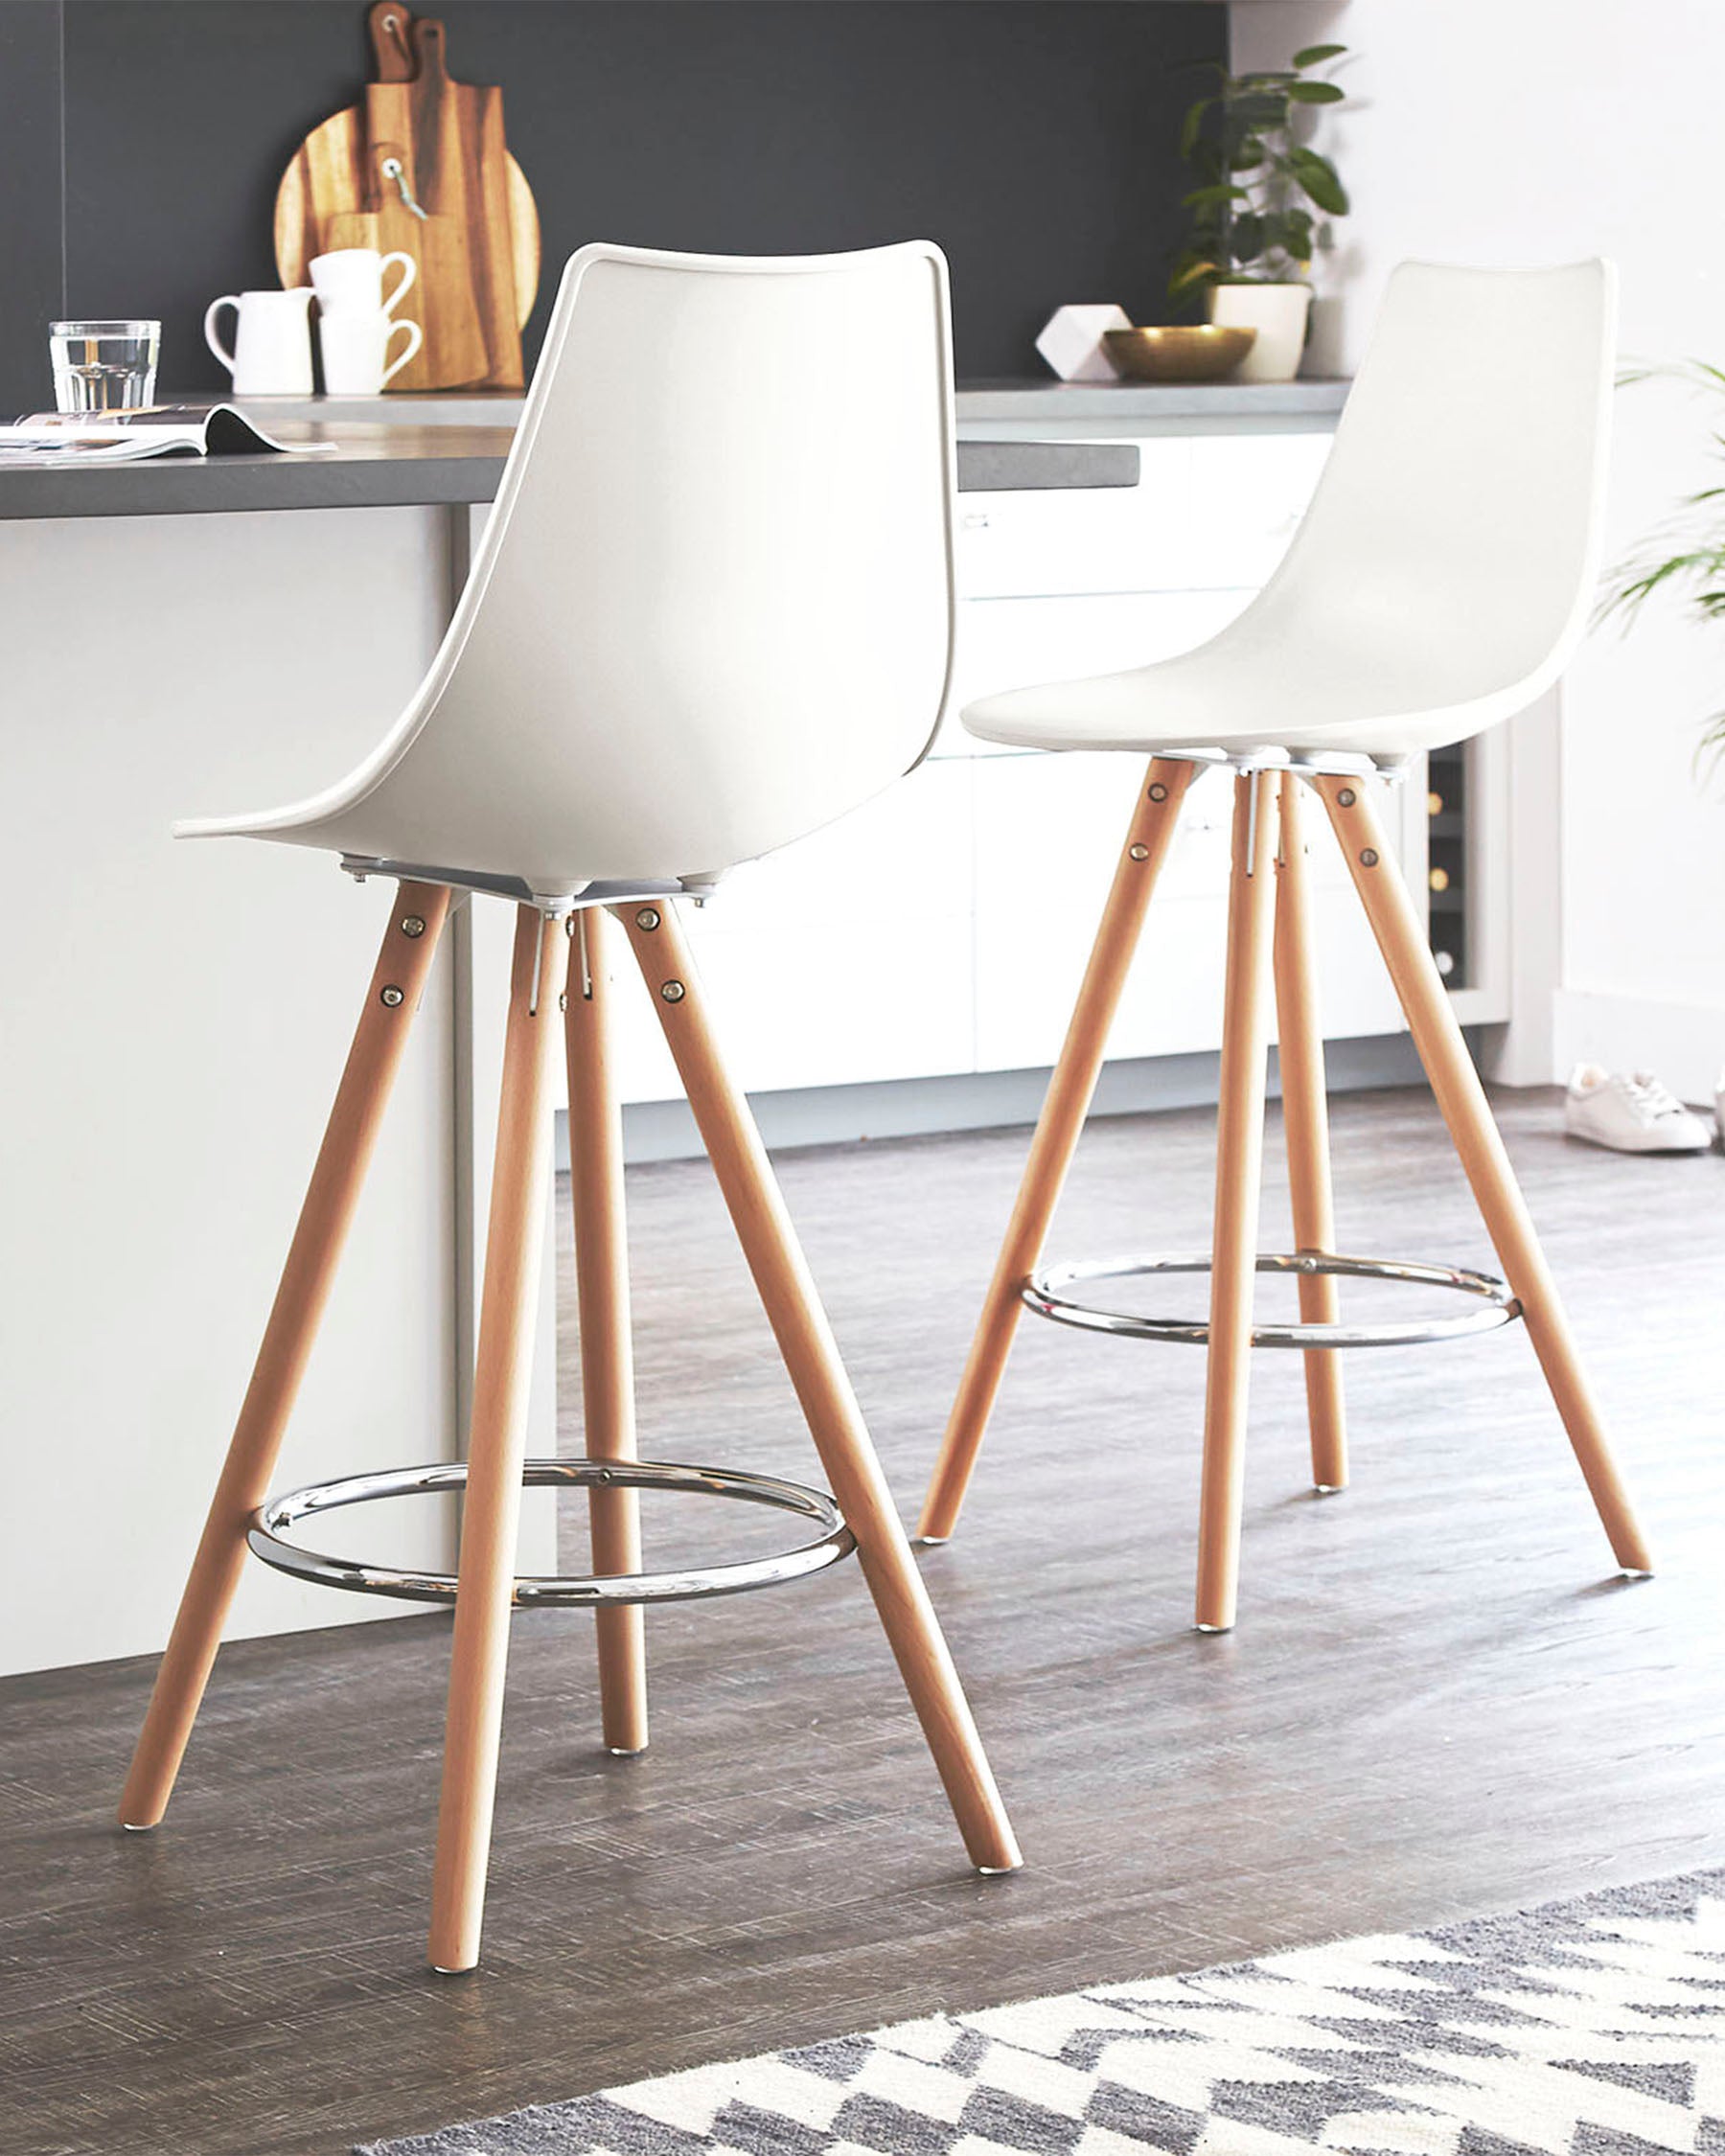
[1369,857]
[391,998]
[1347,797]
[673,991]
[1158,791]
[413,925]
[647,918]
[1138,853]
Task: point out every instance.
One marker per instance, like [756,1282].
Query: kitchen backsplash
[141,142]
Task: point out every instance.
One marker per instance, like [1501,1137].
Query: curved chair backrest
[1453,544]
[713,606]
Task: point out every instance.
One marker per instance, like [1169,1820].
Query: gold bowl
[1203,352]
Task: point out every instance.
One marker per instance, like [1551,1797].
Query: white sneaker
[1633,1114]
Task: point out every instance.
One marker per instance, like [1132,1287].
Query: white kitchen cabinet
[1248,495]
[1049,832]
[1038,546]
[848,955]
[844,958]
[1048,835]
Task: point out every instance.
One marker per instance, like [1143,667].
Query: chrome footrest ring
[1044,1292]
[834,1541]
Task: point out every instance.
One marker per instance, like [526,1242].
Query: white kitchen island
[175,1016]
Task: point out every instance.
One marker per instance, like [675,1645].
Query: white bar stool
[1438,584]
[702,622]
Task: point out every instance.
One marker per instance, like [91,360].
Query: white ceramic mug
[352,278]
[272,343]
[356,351]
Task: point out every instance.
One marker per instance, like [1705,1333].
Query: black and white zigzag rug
[1586,2028]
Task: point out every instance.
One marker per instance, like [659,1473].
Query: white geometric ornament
[1071,342]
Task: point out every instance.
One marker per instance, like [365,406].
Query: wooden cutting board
[478,248]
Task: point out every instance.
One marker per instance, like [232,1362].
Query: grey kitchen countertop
[396,462]
[1133,402]
[1017,398]
[406,451]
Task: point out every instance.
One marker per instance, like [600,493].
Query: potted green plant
[1685,557]
[1261,189]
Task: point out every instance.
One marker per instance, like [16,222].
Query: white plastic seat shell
[713,606]
[1442,576]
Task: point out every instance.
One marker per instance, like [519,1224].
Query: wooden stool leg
[1148,838]
[380,1041]
[1239,1166]
[1305,1119]
[1462,1098]
[805,1341]
[491,1515]
[607,1351]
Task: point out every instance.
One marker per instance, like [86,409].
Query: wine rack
[1447,805]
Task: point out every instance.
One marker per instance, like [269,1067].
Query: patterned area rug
[1587,2027]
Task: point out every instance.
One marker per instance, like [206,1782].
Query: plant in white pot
[1260,191]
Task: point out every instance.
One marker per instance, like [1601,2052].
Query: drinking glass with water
[103,366]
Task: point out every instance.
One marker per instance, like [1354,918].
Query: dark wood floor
[1437,1702]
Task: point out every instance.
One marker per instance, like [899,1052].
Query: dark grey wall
[141,142]
[31,198]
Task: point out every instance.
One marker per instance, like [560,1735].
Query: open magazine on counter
[154,431]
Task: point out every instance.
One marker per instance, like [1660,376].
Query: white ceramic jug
[272,344]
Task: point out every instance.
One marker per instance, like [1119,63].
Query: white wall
[1539,131]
